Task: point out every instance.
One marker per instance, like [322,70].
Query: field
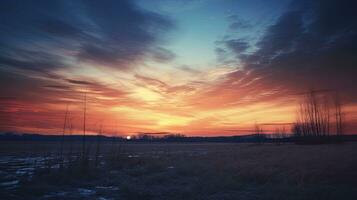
[179,171]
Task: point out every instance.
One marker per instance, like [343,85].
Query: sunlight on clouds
[216,73]
[145,95]
[171,120]
[161,120]
[185,70]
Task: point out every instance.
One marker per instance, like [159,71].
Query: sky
[195,67]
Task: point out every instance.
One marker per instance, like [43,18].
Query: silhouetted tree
[279,135]
[314,117]
[259,133]
[338,115]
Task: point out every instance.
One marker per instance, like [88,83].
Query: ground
[179,171]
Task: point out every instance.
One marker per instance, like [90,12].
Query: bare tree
[258,133]
[279,135]
[338,115]
[314,116]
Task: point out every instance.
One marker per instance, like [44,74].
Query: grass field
[180,171]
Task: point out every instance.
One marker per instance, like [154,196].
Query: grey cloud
[111,33]
[163,55]
[237,45]
[311,45]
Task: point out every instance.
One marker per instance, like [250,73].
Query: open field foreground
[179,171]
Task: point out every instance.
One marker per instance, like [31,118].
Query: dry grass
[200,171]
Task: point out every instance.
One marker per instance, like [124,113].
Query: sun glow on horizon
[206,68]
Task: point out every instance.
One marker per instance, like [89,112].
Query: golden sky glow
[195,68]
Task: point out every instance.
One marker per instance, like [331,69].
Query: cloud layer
[312,45]
[39,35]
[54,52]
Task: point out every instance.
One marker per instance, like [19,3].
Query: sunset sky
[196,67]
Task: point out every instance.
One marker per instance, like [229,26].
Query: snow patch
[86,192]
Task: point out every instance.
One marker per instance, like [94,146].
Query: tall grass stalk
[84,125]
[63,134]
[97,152]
